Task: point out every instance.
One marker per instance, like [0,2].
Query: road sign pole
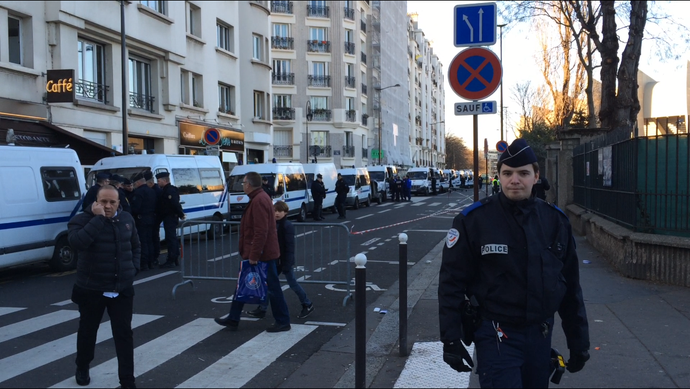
[475,119]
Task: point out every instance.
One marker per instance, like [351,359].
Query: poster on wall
[604,168]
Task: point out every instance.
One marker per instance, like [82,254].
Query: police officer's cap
[102,176]
[148,175]
[162,175]
[319,175]
[117,177]
[126,182]
[518,154]
[138,177]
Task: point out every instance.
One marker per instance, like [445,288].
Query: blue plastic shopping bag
[251,283]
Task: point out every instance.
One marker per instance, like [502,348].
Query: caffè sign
[60,86]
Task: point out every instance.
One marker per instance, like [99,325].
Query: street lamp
[310,116]
[381,114]
[500,27]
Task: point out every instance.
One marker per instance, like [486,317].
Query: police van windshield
[127,173]
[417,175]
[349,179]
[235,182]
[376,176]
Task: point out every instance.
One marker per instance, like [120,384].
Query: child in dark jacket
[286,241]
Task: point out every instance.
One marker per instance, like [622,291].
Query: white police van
[381,175]
[287,180]
[40,190]
[199,180]
[360,188]
[329,177]
[422,180]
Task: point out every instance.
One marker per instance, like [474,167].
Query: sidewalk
[641,330]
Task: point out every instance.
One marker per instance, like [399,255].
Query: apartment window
[197,90]
[281,66]
[225,37]
[319,138]
[349,42]
[184,86]
[281,30]
[257,52]
[226,98]
[158,6]
[318,9]
[14,32]
[193,20]
[259,105]
[318,102]
[90,83]
[319,69]
[282,137]
[282,101]
[350,76]
[140,84]
[349,140]
[318,34]
[282,108]
[350,104]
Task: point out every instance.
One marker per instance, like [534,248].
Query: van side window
[187,180]
[60,183]
[295,182]
[358,184]
[281,187]
[365,178]
[211,180]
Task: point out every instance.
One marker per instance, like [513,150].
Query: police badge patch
[452,237]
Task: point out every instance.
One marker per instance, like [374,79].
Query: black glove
[457,357]
[577,361]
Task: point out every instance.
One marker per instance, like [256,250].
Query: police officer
[102,179]
[514,258]
[129,188]
[393,185]
[117,180]
[143,211]
[318,192]
[267,188]
[433,183]
[156,233]
[341,190]
[171,213]
[540,188]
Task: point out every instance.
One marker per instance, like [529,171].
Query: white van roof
[149,160]
[263,168]
[16,154]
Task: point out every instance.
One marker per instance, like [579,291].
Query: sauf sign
[60,86]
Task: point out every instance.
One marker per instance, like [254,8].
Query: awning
[43,134]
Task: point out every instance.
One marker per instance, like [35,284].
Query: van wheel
[379,199]
[215,230]
[356,206]
[64,257]
[302,216]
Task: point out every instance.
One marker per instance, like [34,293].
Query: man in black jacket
[515,257]
[102,178]
[155,234]
[341,190]
[171,213]
[108,249]
[318,193]
[143,210]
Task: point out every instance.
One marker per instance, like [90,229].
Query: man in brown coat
[259,242]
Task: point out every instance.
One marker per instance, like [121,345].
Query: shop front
[199,139]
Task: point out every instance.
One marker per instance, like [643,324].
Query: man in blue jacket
[109,252]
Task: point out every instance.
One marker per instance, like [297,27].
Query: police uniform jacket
[144,205]
[124,202]
[518,259]
[108,249]
[318,190]
[170,202]
[90,197]
[258,234]
[342,188]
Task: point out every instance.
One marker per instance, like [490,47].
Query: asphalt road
[177,343]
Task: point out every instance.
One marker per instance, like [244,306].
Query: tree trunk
[628,105]
[609,64]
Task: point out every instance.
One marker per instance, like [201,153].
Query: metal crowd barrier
[322,254]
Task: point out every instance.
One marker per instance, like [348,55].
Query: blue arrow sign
[475,24]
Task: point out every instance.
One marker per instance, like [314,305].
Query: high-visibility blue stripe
[31,223]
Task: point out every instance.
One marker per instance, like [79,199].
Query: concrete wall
[658,258]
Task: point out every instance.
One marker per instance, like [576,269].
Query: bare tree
[458,156]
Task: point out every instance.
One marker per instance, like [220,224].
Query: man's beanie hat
[518,154]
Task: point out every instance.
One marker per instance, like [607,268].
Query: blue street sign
[501,146]
[475,24]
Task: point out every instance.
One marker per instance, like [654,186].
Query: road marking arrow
[481,13]
[467,20]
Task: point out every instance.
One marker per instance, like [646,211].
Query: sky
[519,65]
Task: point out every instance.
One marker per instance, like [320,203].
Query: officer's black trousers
[317,213]
[170,227]
[92,304]
[156,239]
[340,205]
[145,232]
[521,360]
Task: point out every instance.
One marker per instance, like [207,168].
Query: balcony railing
[364,58]
[283,78]
[349,13]
[318,46]
[281,7]
[283,43]
[349,82]
[321,81]
[349,47]
[319,11]
[283,113]
[140,101]
[323,151]
[364,89]
[350,115]
[365,119]
[322,115]
[349,151]
[282,151]
[91,90]
[363,25]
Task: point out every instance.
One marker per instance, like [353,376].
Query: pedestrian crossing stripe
[8,310]
[36,357]
[34,324]
[245,362]
[423,369]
